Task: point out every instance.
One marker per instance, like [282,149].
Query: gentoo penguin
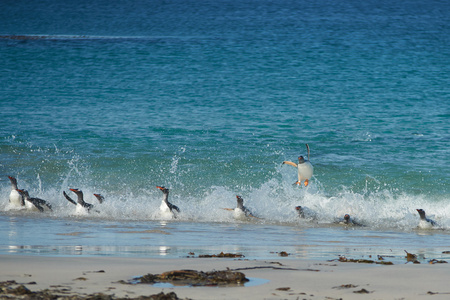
[16,199]
[424,222]
[82,207]
[304,167]
[34,203]
[241,212]
[305,213]
[347,220]
[100,198]
[166,208]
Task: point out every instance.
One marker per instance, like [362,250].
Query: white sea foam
[273,202]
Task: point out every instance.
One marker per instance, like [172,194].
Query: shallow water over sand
[172,239]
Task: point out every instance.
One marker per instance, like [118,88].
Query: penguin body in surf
[34,203]
[306,213]
[304,168]
[425,223]
[241,212]
[348,221]
[167,209]
[16,199]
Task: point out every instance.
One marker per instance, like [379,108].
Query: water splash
[273,202]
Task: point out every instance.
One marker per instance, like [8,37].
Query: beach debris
[362,291]
[345,286]
[221,254]
[99,271]
[445,252]
[435,261]
[281,253]
[411,257]
[18,291]
[436,293]
[81,278]
[12,290]
[195,278]
[364,261]
[283,289]
[162,296]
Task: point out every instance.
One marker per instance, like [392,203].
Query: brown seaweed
[195,278]
[221,254]
[12,290]
[364,261]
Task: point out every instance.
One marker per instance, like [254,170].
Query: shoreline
[286,278]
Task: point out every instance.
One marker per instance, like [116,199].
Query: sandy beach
[282,278]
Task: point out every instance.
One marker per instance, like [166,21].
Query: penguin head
[99,197]
[240,201]
[23,192]
[76,191]
[301,159]
[421,213]
[347,217]
[300,211]
[163,189]
[13,180]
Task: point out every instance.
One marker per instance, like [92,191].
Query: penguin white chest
[305,171]
[15,198]
[165,210]
[423,224]
[80,210]
[239,214]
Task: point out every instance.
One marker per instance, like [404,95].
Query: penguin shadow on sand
[83,207]
[241,212]
[304,167]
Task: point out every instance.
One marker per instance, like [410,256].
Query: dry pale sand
[299,279]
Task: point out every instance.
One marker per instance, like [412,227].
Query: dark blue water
[209,97]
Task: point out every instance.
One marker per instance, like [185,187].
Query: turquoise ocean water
[208,98]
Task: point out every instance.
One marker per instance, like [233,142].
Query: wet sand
[287,278]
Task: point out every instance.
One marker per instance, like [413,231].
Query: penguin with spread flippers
[167,209]
[241,212]
[16,198]
[34,203]
[82,207]
[425,223]
[304,167]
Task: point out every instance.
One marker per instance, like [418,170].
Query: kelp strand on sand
[196,278]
